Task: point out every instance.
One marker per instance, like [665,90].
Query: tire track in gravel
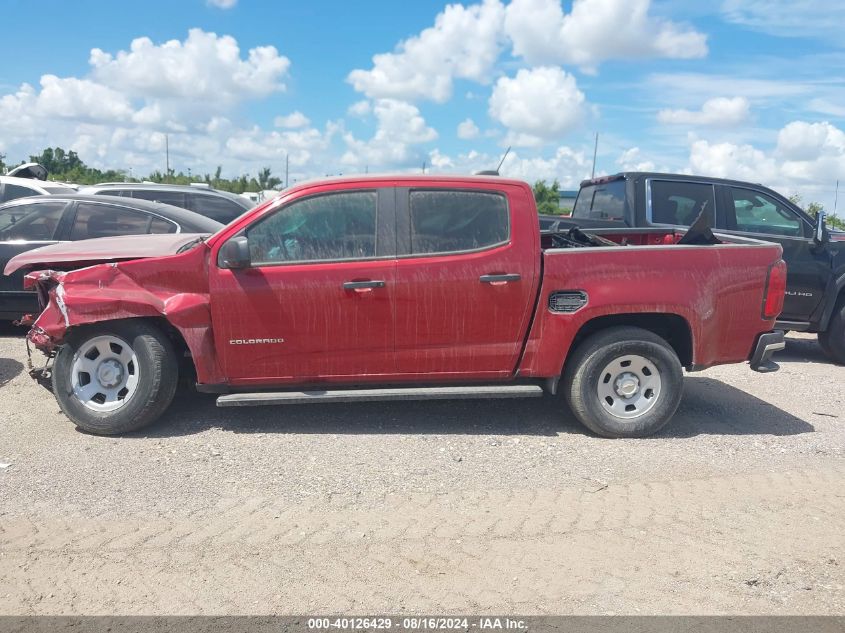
[761,543]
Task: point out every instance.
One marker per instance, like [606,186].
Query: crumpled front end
[47,330]
[171,288]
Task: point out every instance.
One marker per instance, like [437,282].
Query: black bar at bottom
[414,623]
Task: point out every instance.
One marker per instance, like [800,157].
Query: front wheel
[623,382]
[113,378]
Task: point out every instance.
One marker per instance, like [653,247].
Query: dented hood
[100,250]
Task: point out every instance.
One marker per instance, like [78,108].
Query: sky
[745,89]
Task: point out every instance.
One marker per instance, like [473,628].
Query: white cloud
[400,127]
[719,111]
[811,152]
[63,98]
[825,106]
[301,145]
[467,129]
[205,71]
[360,109]
[222,4]
[537,105]
[293,120]
[808,158]
[692,89]
[566,165]
[440,162]
[632,160]
[595,31]
[729,160]
[117,116]
[788,18]
[464,42]
[401,121]
[73,98]
[801,141]
[698,87]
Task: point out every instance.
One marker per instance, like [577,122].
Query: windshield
[604,201]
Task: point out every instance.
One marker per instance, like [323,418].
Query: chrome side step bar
[387,394]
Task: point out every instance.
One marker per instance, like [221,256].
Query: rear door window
[31,222]
[680,203]
[215,207]
[604,201]
[13,192]
[104,220]
[455,221]
[176,198]
[160,225]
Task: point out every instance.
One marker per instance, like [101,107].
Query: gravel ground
[738,506]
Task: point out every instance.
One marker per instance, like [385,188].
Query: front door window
[317,300]
[332,227]
[758,213]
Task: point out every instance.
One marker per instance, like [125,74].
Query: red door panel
[450,319]
[316,303]
[294,324]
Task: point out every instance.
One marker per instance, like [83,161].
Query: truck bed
[641,274]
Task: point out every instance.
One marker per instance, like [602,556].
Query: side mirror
[234,254]
[820,235]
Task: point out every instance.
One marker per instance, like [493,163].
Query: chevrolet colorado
[398,288]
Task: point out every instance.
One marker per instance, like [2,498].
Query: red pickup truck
[400,288]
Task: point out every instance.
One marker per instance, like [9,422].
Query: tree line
[66,166]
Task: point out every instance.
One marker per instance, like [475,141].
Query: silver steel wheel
[104,374]
[629,386]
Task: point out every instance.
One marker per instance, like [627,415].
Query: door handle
[362,286]
[499,280]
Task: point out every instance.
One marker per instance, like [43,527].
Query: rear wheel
[117,377]
[832,340]
[623,382]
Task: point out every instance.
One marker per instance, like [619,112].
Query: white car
[12,187]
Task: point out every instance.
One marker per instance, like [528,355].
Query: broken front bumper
[767,345]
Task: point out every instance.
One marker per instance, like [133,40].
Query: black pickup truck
[815,256]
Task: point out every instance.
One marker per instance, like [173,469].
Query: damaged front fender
[173,288]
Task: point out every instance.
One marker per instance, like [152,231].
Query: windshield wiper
[191,244]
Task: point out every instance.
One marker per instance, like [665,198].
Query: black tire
[157,377]
[832,340]
[585,370]
[187,383]
[824,343]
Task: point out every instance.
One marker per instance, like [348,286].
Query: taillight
[775,290]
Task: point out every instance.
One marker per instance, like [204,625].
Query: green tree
[58,161]
[67,166]
[813,210]
[547,198]
[266,181]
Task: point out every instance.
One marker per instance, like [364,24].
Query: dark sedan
[28,223]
